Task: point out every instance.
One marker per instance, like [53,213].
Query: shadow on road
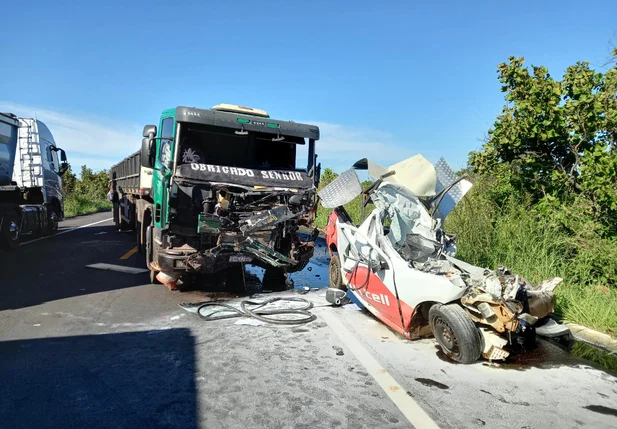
[126,380]
[55,268]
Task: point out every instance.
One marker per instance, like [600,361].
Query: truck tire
[122,224]
[456,333]
[138,240]
[233,277]
[149,252]
[53,214]
[334,273]
[10,234]
[274,279]
[141,228]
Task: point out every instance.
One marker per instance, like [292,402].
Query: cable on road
[256,310]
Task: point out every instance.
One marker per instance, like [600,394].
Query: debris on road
[339,351]
[351,306]
[176,317]
[257,310]
[250,322]
[432,383]
[337,297]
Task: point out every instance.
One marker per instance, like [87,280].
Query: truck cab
[39,166]
[31,166]
[230,185]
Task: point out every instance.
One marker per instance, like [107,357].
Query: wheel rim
[446,337]
[13,231]
[334,273]
[53,217]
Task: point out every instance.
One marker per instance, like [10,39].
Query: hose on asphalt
[256,310]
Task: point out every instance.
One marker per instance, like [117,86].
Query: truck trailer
[31,200]
[212,189]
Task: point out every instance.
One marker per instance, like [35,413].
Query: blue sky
[383,79]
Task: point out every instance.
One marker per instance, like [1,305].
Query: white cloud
[95,141]
[100,142]
[341,145]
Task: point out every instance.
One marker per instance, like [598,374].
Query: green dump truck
[211,189]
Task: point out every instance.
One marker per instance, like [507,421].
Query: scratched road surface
[99,349]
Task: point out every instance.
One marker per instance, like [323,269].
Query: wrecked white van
[401,265]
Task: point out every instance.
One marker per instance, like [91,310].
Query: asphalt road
[81,347]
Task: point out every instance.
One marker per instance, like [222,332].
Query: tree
[327,176]
[93,185]
[555,139]
[69,181]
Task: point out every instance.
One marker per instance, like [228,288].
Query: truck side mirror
[64,165]
[147,149]
[148,130]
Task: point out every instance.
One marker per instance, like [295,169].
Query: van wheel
[334,273]
[456,333]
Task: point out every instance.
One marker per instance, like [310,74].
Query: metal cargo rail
[124,176]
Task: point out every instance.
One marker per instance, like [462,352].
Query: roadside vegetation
[85,194]
[544,201]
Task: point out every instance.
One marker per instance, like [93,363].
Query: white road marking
[410,408]
[65,232]
[119,268]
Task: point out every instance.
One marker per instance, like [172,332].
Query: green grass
[354,208]
[79,205]
[602,358]
[529,244]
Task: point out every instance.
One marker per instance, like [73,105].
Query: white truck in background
[31,166]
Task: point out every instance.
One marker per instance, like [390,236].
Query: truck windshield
[222,146]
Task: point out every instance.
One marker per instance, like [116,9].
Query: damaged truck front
[226,189]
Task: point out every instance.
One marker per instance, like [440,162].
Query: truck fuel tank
[33,218]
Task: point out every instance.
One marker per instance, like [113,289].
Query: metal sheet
[341,190]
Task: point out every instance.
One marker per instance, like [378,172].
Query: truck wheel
[234,279]
[274,279]
[334,273]
[10,235]
[149,253]
[122,224]
[456,333]
[140,247]
[52,219]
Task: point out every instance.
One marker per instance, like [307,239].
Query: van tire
[334,273]
[455,332]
